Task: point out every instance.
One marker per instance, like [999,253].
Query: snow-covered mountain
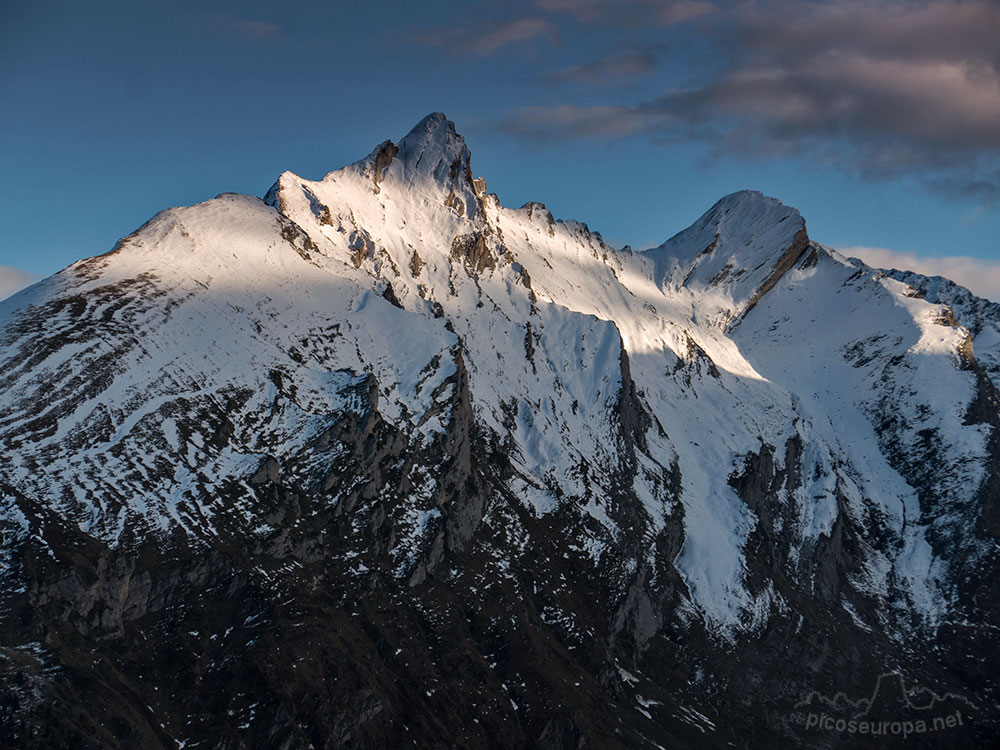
[379,462]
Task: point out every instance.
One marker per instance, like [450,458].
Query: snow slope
[736,338]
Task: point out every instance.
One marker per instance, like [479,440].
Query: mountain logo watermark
[893,710]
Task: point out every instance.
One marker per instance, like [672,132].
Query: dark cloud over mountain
[877,89]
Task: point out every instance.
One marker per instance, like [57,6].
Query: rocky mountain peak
[433,150]
[740,247]
[379,462]
[431,161]
[742,229]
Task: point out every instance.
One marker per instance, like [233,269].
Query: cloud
[924,72]
[877,88]
[896,29]
[630,12]
[978,276]
[543,123]
[486,38]
[14,279]
[984,190]
[227,26]
[625,64]
[537,19]
[929,102]
[253,29]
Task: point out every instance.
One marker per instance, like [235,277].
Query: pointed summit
[741,226]
[433,151]
[434,147]
[741,246]
[434,155]
[430,164]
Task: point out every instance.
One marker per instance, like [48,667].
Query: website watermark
[894,709]
[883,728]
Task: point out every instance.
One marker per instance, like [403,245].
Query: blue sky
[880,121]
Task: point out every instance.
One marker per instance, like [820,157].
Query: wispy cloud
[621,65]
[542,123]
[525,20]
[252,29]
[983,190]
[979,276]
[630,12]
[14,279]
[486,38]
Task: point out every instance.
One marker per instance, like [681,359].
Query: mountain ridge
[557,470]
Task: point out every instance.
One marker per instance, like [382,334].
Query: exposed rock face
[377,462]
[382,158]
[977,315]
[792,255]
